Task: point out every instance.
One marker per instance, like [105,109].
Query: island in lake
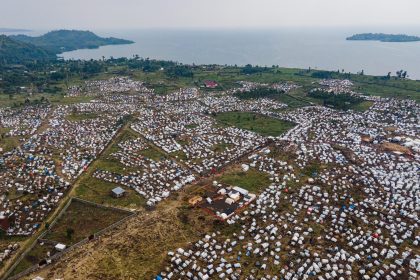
[383,37]
[11,30]
[60,41]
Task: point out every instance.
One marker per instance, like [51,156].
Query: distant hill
[12,51]
[68,40]
[383,37]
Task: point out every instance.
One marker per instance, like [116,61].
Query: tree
[69,233]
[401,74]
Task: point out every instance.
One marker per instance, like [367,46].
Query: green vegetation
[34,257]
[259,93]
[50,80]
[339,101]
[68,40]
[263,125]
[292,101]
[362,106]
[99,191]
[6,240]
[249,69]
[191,126]
[12,51]
[180,155]
[221,147]
[383,37]
[153,154]
[81,220]
[7,142]
[179,71]
[252,180]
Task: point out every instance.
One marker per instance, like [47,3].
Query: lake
[301,48]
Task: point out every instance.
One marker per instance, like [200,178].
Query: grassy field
[221,147]
[364,106]
[292,101]
[9,142]
[139,248]
[99,191]
[263,125]
[77,117]
[153,154]
[84,219]
[6,240]
[34,257]
[252,180]
[180,155]
[227,77]
[95,190]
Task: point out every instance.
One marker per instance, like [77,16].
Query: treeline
[41,75]
[179,71]
[262,92]
[15,52]
[249,69]
[148,65]
[339,101]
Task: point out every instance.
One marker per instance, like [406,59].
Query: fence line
[57,256]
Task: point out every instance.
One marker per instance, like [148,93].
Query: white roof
[118,190]
[60,246]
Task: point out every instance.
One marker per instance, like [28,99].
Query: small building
[195,200]
[118,192]
[60,247]
[211,84]
[241,190]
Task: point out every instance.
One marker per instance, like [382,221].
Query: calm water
[322,49]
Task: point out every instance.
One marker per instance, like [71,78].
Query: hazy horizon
[206,14]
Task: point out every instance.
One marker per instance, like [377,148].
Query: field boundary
[57,256]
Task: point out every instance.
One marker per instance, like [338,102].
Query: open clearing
[263,125]
[99,191]
[137,249]
[79,221]
[84,219]
[252,180]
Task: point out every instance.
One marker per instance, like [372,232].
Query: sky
[139,14]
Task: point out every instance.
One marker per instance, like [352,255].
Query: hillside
[383,37]
[12,51]
[68,40]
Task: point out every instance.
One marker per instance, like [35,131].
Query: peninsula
[60,41]
[383,37]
